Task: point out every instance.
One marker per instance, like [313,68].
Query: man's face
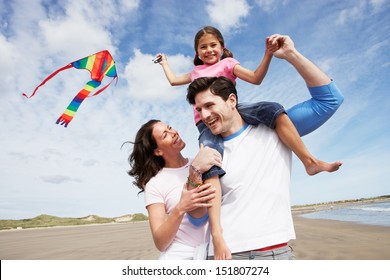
[216,113]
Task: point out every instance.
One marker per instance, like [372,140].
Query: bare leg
[290,137]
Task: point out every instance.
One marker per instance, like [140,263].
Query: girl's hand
[271,46]
[286,45]
[160,58]
[207,158]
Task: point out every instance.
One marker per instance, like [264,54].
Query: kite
[99,64]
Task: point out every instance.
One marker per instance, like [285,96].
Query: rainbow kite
[99,64]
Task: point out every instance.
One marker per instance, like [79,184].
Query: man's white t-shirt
[255,210]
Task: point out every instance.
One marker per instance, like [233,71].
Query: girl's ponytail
[197,60]
[226,53]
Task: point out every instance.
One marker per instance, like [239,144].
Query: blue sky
[81,170]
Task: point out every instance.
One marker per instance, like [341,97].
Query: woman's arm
[204,160]
[164,227]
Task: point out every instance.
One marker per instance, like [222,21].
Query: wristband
[189,182]
[196,170]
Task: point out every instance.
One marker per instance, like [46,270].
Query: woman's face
[167,139]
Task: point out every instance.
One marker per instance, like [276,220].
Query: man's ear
[233,100]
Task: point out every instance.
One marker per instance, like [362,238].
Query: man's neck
[237,123]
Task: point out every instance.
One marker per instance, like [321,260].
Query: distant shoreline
[53,221]
[309,208]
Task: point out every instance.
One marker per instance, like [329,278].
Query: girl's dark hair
[213,31]
[143,162]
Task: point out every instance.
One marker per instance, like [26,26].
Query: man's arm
[312,75]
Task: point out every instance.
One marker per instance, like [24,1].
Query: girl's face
[209,49]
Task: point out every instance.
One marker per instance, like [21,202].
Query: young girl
[213,59]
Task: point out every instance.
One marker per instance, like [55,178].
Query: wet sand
[335,240]
[316,240]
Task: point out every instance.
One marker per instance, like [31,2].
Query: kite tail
[106,86]
[48,78]
[71,110]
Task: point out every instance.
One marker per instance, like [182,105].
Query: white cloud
[361,10]
[351,14]
[128,5]
[227,15]
[85,26]
[377,4]
[146,80]
[8,55]
[59,179]
[270,5]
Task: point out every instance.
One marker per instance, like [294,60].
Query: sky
[82,170]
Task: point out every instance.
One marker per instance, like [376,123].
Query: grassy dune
[52,221]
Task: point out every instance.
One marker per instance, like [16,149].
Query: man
[255,212]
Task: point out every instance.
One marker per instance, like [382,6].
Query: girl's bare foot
[318,166]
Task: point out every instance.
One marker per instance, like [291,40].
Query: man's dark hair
[220,86]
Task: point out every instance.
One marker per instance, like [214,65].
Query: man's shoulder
[260,134]
[255,135]
[261,128]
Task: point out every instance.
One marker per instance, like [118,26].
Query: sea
[374,213]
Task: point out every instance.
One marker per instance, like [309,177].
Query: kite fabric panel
[99,65]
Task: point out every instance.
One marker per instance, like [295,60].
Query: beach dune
[316,240]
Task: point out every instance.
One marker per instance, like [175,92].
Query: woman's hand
[196,198]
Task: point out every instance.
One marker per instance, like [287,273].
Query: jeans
[312,113]
[284,253]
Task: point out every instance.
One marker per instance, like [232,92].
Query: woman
[175,198]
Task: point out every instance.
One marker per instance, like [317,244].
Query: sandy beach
[316,240]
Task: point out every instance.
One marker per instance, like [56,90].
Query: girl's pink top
[222,68]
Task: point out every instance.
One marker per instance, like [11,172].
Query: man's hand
[284,43]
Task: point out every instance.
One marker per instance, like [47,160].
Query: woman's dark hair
[143,162]
[213,31]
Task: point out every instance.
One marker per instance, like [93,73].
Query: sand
[334,240]
[316,240]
